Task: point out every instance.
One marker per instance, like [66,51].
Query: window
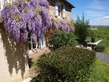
[42,40]
[56,8]
[31,43]
[59,10]
[35,45]
[1,4]
[63,11]
[11,1]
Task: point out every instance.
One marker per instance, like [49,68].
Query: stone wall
[52,12]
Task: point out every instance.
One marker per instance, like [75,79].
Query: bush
[100,48]
[61,38]
[66,64]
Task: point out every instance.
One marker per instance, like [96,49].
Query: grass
[101,33]
[96,39]
[100,72]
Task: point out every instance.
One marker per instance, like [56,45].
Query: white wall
[2,2]
[13,59]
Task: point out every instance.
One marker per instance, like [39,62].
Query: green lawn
[100,72]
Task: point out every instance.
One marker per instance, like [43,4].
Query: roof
[69,4]
[65,1]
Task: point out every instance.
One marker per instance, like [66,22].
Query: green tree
[81,28]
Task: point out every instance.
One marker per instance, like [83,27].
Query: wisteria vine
[60,24]
[28,16]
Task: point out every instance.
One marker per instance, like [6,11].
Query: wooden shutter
[8,1]
[11,1]
[1,4]
[56,8]
[29,42]
[64,10]
[42,38]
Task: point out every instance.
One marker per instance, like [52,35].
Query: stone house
[13,58]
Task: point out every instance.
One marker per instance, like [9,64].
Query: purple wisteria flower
[22,17]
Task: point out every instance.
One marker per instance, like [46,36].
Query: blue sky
[97,11]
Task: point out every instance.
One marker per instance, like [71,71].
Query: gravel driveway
[103,56]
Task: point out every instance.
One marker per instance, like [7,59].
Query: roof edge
[72,6]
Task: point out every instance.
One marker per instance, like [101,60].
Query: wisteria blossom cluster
[24,16]
[29,16]
[62,25]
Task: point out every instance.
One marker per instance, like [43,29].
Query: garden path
[103,56]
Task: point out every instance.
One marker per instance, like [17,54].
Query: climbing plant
[27,16]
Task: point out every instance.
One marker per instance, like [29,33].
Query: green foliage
[66,64]
[100,48]
[103,46]
[92,33]
[81,28]
[100,72]
[103,33]
[61,38]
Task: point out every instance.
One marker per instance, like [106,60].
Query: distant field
[103,32]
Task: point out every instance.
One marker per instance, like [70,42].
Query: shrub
[60,38]
[66,64]
[100,48]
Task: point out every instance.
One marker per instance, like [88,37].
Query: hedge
[100,48]
[66,64]
[60,38]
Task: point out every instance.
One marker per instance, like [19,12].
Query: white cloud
[100,21]
[106,17]
[99,5]
[93,13]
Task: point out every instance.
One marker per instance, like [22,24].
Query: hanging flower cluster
[24,16]
[29,16]
[62,25]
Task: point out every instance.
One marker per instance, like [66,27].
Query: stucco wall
[13,60]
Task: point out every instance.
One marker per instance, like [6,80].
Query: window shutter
[29,42]
[64,10]
[10,1]
[42,44]
[56,8]
[1,4]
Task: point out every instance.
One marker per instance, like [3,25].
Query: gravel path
[103,56]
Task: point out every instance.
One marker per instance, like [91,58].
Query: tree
[81,28]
